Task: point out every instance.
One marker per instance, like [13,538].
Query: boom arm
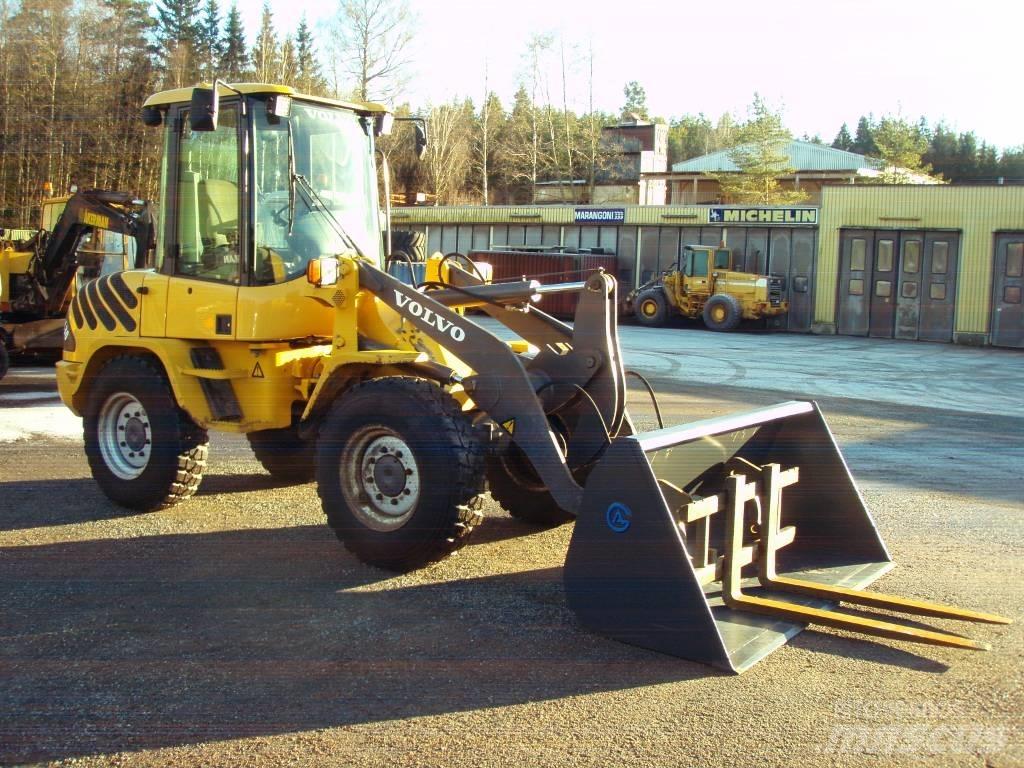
[582,380]
[54,265]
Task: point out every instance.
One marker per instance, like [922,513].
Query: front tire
[5,358]
[722,312]
[651,308]
[144,451]
[399,471]
[515,485]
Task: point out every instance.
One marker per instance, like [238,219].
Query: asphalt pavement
[234,630]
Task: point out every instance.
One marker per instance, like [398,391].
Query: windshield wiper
[316,203]
[291,179]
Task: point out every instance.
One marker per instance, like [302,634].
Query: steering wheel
[279,216]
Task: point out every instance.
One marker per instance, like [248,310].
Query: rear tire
[514,484]
[144,451]
[5,359]
[399,471]
[286,456]
[651,308]
[722,312]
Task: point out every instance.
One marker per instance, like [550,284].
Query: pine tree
[177,31]
[843,140]
[211,46]
[900,146]
[636,100]
[265,53]
[967,156]
[863,139]
[233,63]
[761,159]
[176,21]
[308,77]
[941,154]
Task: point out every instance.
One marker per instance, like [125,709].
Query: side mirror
[421,139]
[383,124]
[152,116]
[203,110]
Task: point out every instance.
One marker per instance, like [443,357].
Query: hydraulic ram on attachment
[672,518]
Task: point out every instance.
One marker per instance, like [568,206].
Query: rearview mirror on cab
[203,109]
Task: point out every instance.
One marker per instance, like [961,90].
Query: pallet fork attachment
[670,523]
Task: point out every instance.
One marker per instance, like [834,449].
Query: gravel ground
[234,630]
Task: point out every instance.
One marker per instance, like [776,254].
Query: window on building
[884,260]
[1015,259]
[940,257]
[912,256]
[938,291]
[856,287]
[858,249]
[883,288]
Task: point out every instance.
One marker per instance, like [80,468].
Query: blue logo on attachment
[618,517]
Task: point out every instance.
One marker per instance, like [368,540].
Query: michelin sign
[763,215]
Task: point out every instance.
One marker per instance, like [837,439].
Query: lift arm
[55,263]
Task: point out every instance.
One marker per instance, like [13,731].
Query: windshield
[295,217]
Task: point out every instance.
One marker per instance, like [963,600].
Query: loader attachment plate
[719,540]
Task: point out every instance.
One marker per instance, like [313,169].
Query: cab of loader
[694,260]
[262,180]
[259,182]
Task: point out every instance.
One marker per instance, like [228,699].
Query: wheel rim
[649,308]
[380,478]
[718,314]
[125,436]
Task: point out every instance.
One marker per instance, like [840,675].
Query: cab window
[700,264]
[208,232]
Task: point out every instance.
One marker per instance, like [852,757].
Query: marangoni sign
[763,215]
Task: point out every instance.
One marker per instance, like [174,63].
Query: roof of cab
[184,95]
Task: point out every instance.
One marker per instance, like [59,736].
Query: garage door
[1008,290]
[898,284]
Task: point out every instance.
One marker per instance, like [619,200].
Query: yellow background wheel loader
[268,312]
[88,234]
[702,284]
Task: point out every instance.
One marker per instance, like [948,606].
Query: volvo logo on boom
[428,316]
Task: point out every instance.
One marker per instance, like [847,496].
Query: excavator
[268,312]
[93,232]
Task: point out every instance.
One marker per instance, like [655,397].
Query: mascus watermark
[912,728]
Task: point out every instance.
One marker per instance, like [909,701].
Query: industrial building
[930,263]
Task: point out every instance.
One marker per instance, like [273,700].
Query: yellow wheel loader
[268,312]
[703,284]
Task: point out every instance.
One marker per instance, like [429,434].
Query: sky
[819,63]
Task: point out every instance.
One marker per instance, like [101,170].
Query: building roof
[802,156]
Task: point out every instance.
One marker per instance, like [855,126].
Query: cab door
[205,241]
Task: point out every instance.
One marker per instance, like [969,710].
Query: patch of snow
[46,420]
